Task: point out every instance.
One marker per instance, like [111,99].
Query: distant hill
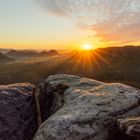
[30,53]
[21,53]
[3,50]
[4,58]
[120,51]
[51,52]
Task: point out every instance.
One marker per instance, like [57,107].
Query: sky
[67,24]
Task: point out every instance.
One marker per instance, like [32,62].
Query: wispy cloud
[111,20]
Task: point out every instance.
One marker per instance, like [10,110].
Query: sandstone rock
[83,109]
[130,126]
[17,112]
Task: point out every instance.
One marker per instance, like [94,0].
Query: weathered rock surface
[84,109]
[17,112]
[130,126]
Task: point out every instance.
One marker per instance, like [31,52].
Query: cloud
[111,20]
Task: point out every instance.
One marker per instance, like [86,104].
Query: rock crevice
[54,96]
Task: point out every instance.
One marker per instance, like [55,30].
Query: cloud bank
[110,20]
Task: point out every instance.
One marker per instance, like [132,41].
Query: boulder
[18,119]
[130,126]
[75,108]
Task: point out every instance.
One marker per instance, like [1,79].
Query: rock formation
[130,126]
[17,112]
[71,108]
[78,108]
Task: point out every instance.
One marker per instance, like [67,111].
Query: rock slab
[78,108]
[17,112]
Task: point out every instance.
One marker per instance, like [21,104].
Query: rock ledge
[78,108]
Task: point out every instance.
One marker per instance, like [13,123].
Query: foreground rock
[84,109]
[130,126]
[17,112]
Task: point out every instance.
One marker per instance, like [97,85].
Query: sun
[87,47]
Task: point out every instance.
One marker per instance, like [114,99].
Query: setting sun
[87,47]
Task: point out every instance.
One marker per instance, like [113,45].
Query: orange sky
[26,25]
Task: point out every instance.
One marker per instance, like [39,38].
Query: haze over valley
[112,64]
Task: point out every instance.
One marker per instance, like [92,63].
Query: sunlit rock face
[17,112]
[78,108]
